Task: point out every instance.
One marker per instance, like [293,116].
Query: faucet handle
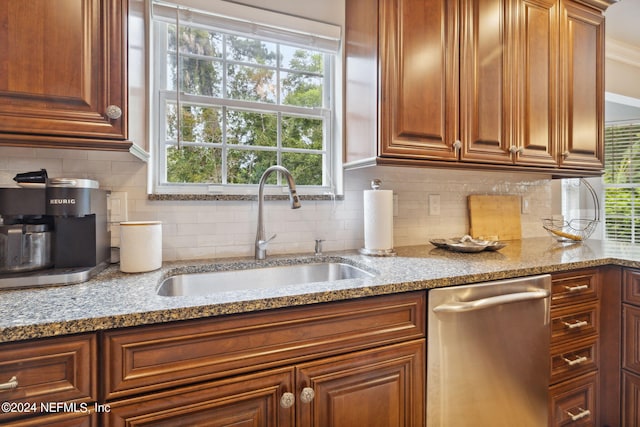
[262,244]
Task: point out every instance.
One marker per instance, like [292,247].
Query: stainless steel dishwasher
[488,354]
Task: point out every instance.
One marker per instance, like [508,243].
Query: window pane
[198,124]
[201,77]
[302,90]
[251,51]
[301,132]
[247,166]
[305,168]
[251,128]
[194,165]
[251,83]
[195,41]
[295,58]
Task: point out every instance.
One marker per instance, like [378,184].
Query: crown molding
[622,52]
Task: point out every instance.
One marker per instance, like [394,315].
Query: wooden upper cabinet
[419,85]
[485,78]
[582,85]
[535,123]
[492,84]
[63,63]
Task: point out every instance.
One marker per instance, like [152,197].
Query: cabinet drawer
[631,288]
[579,357]
[575,287]
[49,370]
[574,322]
[144,359]
[573,403]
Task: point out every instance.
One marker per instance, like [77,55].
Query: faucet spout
[261,241]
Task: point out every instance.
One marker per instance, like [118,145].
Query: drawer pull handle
[287,400]
[576,288]
[307,394]
[577,324]
[13,383]
[577,361]
[583,413]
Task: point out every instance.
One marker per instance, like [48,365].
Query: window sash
[163,97]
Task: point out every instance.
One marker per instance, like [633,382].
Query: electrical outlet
[434,204]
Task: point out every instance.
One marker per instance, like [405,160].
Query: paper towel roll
[378,220]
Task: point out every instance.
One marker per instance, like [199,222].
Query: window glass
[622,182]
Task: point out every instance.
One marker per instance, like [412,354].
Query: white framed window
[234,90]
[622,181]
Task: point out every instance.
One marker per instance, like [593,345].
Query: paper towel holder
[375,185]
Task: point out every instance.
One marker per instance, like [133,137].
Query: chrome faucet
[261,243]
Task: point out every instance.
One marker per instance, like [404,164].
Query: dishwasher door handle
[481,304]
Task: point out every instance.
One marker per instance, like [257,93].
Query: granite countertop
[114,299]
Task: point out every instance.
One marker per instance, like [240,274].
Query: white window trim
[329,40]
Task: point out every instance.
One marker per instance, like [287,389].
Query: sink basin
[258,278]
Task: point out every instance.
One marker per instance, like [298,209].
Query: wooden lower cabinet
[248,400]
[55,381]
[631,399]
[573,402]
[631,349]
[378,387]
[68,419]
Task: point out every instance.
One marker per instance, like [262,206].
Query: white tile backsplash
[221,229]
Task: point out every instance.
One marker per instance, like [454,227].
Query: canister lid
[72,183]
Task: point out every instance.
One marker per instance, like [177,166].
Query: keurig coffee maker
[52,232]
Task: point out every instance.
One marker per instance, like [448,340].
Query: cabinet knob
[457,145]
[10,385]
[307,394]
[287,400]
[114,112]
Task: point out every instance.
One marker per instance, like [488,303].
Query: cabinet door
[631,400]
[62,65]
[486,73]
[376,388]
[631,338]
[66,419]
[418,79]
[581,86]
[535,72]
[246,401]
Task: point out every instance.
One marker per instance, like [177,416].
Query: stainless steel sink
[258,278]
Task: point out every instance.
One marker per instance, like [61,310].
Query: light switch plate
[118,200]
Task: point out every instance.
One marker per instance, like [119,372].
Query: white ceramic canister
[140,246]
